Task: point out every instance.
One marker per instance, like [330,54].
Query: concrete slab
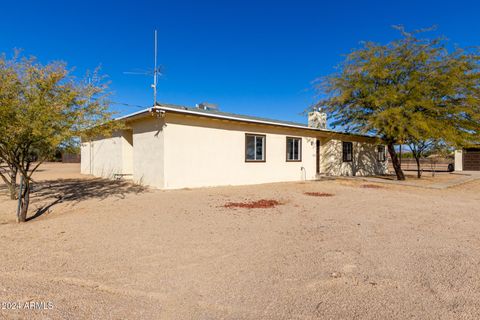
[462,178]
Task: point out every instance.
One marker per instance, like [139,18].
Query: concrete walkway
[461,178]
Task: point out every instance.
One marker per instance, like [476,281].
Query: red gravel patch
[319,194]
[259,204]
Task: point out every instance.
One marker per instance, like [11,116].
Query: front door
[318,156]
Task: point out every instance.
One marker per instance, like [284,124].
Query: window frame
[299,147]
[344,158]
[384,153]
[264,149]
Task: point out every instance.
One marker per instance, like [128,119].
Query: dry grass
[259,204]
[372,186]
[319,194]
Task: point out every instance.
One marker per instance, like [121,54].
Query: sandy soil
[109,250]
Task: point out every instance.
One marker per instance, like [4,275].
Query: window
[381,156]
[347,151]
[254,148]
[294,149]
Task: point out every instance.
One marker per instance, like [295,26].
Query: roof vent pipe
[206,106]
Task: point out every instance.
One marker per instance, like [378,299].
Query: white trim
[239,118]
[220,116]
[134,114]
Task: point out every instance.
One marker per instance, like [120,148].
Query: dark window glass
[254,148]
[294,149]
[381,156]
[347,151]
[250,147]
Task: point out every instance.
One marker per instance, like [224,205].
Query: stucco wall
[205,152]
[364,158]
[148,151]
[180,151]
[458,160]
[104,157]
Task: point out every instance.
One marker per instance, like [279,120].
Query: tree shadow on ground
[77,190]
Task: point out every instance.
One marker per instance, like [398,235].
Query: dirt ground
[109,250]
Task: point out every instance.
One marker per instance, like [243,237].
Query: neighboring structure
[70,157]
[468,159]
[170,146]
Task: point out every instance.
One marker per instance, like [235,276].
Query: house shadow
[76,190]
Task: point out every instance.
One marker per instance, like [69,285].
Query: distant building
[468,159]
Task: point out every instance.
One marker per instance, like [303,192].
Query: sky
[248,57]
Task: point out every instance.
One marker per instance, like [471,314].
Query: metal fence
[70,158]
[425,164]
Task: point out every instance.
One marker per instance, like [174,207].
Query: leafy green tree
[410,89]
[43,107]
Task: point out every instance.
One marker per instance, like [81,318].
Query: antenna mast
[155,73]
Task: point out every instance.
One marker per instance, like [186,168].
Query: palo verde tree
[410,89]
[41,108]
[419,149]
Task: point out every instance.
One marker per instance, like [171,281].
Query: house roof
[230,116]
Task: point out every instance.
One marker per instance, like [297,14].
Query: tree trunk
[12,186]
[9,177]
[23,200]
[395,162]
[419,172]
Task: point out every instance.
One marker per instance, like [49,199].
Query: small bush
[259,204]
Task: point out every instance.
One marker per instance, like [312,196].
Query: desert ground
[99,249]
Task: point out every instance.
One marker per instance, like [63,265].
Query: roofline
[236,118]
[240,118]
[134,114]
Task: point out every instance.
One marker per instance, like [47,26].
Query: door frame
[317,154]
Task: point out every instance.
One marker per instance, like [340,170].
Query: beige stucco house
[170,147]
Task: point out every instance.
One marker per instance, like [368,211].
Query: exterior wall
[104,157]
[458,160]
[364,158]
[179,151]
[127,152]
[205,152]
[148,151]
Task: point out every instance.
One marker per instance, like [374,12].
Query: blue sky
[249,57]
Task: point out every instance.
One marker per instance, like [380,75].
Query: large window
[347,151]
[254,148]
[294,149]
[381,156]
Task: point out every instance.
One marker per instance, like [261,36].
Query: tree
[437,151]
[410,89]
[41,108]
[419,149]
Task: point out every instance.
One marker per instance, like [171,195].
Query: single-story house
[468,159]
[169,146]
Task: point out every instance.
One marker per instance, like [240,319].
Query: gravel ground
[110,250]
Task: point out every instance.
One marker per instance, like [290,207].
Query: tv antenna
[155,73]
